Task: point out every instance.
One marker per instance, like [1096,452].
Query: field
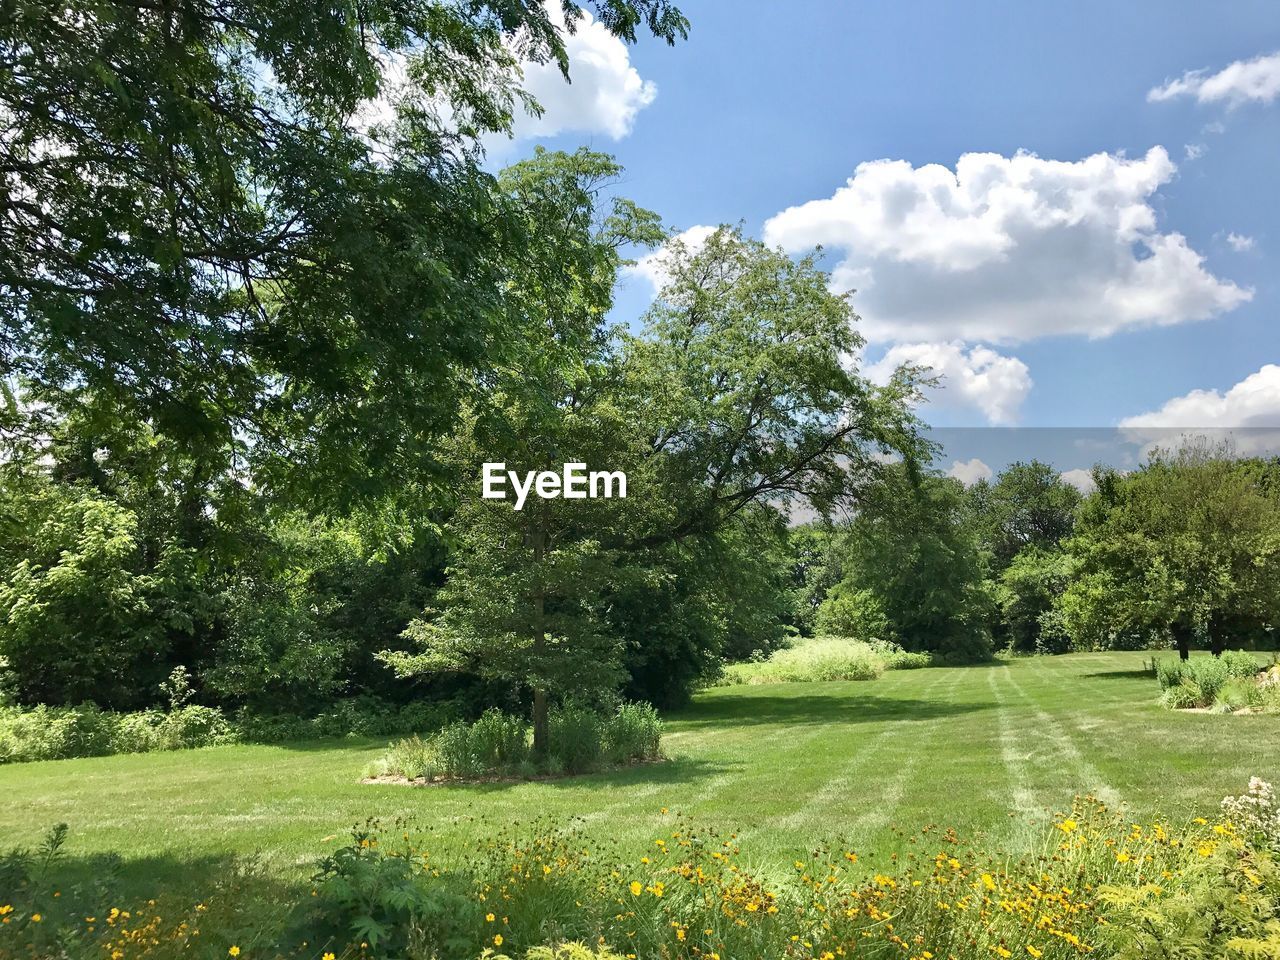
[986,749]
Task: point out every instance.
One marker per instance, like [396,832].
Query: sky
[1069,211]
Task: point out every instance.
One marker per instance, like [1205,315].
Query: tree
[1027,592]
[522,601]
[913,559]
[733,397]
[1029,505]
[1186,547]
[265,233]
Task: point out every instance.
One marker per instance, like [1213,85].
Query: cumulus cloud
[604,96]
[1246,416]
[1082,480]
[1239,242]
[975,378]
[652,266]
[970,472]
[1239,82]
[1253,402]
[1007,249]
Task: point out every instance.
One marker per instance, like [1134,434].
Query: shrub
[576,739]
[497,744]
[633,733]
[1230,682]
[822,658]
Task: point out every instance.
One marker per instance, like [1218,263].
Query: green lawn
[984,749]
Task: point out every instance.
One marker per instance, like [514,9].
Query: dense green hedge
[55,733]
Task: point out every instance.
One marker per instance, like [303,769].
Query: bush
[497,744]
[58,733]
[822,658]
[576,739]
[1230,682]
[633,734]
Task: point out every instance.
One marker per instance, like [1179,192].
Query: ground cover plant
[964,746]
[824,658]
[1095,881]
[580,740]
[1235,681]
[56,733]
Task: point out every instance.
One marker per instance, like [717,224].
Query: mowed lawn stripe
[793,764]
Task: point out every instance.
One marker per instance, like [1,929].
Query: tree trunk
[540,724]
[1182,633]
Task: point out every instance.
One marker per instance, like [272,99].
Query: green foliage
[84,613]
[1027,592]
[1230,682]
[221,231]
[57,733]
[1186,547]
[847,612]
[817,659]
[498,745]
[633,733]
[1029,506]
[912,552]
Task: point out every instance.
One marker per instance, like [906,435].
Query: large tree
[735,397]
[1187,547]
[266,229]
[913,562]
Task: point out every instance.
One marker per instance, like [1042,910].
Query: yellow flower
[234,951]
[36,918]
[1033,951]
[1068,826]
[489,917]
[636,888]
[988,881]
[497,939]
[1122,857]
[1002,952]
[328,956]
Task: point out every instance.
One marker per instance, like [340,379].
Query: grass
[987,749]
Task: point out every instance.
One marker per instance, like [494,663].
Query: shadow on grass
[1119,675]
[679,770]
[746,709]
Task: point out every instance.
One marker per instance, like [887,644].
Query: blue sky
[1139,287]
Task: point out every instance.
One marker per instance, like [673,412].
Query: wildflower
[1068,826]
[234,951]
[36,918]
[1122,857]
[328,955]
[1033,951]
[497,939]
[637,888]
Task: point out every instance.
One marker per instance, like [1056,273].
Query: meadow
[991,750]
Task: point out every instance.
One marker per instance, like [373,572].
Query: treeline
[1183,552]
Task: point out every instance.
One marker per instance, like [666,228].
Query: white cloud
[970,472]
[652,266]
[604,96]
[978,378]
[1253,402]
[1257,79]
[1082,480]
[1239,242]
[1246,417]
[1006,249]
[1194,151]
